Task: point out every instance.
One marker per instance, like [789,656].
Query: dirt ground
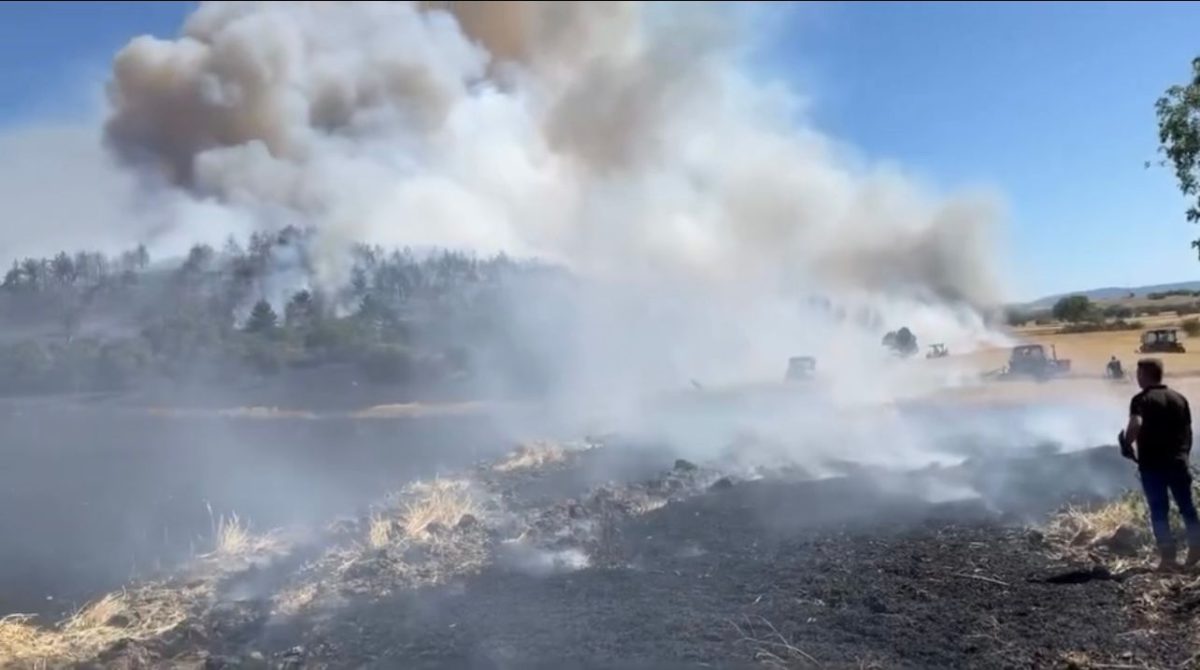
[601,555]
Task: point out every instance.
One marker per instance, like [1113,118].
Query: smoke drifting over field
[699,209]
[621,140]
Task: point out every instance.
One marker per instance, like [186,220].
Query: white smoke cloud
[600,134]
[625,141]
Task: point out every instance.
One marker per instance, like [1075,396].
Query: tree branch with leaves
[1179,138]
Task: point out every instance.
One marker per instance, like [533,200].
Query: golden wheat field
[1088,353]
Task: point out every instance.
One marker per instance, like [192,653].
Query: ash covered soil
[586,556]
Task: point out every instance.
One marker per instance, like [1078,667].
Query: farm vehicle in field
[937,351]
[800,368]
[1030,360]
[1161,341]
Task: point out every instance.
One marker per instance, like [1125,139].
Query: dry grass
[22,642]
[648,505]
[139,615]
[531,456]
[1089,352]
[443,502]
[422,409]
[233,537]
[424,541]
[380,531]
[293,601]
[100,613]
[1080,527]
[90,630]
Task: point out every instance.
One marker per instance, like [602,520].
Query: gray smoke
[626,141]
[614,137]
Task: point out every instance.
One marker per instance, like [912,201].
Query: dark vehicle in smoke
[937,351]
[1030,360]
[1161,341]
[800,368]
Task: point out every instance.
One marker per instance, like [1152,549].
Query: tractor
[1161,341]
[1030,360]
[800,368]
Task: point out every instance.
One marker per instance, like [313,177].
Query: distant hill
[1116,293]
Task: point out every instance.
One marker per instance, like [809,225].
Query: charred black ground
[91,498]
[691,568]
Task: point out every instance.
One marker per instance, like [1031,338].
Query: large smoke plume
[630,142]
[612,136]
[625,141]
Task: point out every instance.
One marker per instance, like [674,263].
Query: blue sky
[1050,105]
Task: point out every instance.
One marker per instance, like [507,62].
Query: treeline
[1162,295]
[87,322]
[1081,315]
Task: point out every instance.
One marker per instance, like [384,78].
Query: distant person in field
[1114,369]
[1160,424]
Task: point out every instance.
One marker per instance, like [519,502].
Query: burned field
[599,554]
[92,498]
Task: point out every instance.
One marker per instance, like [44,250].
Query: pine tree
[262,318]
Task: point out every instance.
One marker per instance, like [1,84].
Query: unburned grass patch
[234,537]
[440,503]
[146,614]
[1119,528]
[532,456]
[380,530]
[24,642]
[294,600]
[1083,527]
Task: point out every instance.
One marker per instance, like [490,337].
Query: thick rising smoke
[699,207]
[603,135]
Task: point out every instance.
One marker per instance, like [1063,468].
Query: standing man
[1160,423]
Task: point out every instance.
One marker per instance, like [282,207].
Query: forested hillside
[90,322]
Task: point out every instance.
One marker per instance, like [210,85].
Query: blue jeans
[1162,484]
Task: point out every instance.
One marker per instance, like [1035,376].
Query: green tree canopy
[1179,138]
[1073,308]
